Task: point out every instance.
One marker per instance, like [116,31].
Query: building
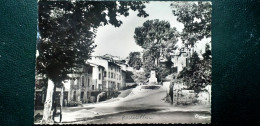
[97,77]
[181,58]
[41,83]
[101,73]
[114,76]
[80,84]
[86,83]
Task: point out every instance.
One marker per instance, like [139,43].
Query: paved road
[149,116]
[140,106]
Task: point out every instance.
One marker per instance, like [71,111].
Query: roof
[113,63]
[93,64]
[112,59]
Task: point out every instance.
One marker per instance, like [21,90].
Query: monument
[153,79]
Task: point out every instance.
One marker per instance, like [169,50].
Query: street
[136,106]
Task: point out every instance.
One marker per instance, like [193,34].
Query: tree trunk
[61,101]
[48,104]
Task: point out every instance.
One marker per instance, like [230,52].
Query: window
[108,74]
[99,76]
[99,69]
[81,94]
[111,75]
[82,81]
[93,87]
[105,74]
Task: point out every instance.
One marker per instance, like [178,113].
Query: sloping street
[139,106]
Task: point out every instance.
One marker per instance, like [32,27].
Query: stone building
[80,85]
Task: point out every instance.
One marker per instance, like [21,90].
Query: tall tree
[196,18]
[148,63]
[67,30]
[158,39]
[158,36]
[135,60]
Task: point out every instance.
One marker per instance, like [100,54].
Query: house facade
[80,85]
[100,74]
[97,77]
[113,75]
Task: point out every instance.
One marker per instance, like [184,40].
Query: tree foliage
[135,60]
[164,70]
[139,77]
[155,33]
[129,77]
[196,18]
[67,30]
[198,74]
[158,39]
[157,36]
[148,63]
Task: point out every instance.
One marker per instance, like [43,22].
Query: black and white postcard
[123,62]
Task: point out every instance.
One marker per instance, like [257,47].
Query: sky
[120,41]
